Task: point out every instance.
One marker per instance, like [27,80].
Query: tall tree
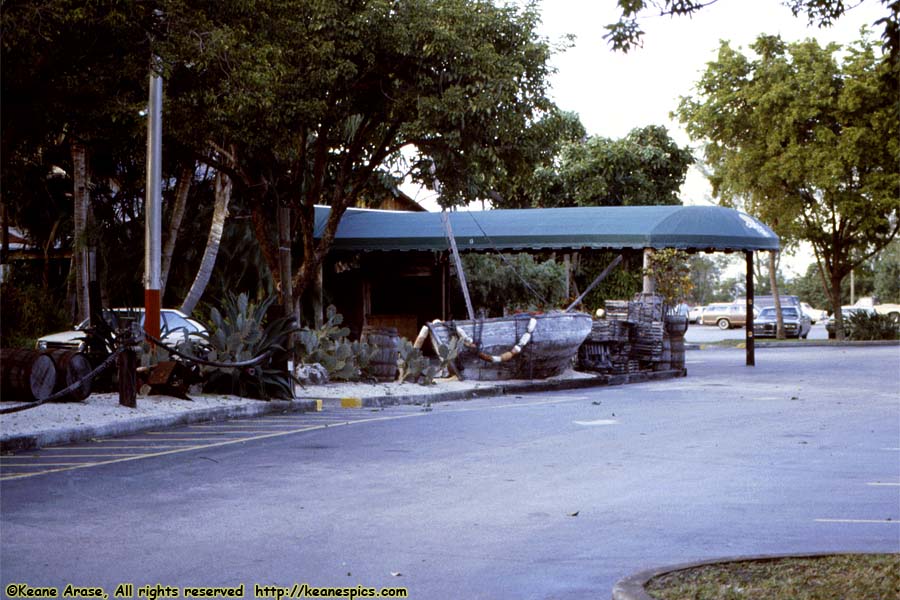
[810,144]
[646,167]
[319,97]
[69,81]
[626,33]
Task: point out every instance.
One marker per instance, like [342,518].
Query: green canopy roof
[683,227]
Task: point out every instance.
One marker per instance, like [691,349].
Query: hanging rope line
[497,358]
[252,362]
[506,261]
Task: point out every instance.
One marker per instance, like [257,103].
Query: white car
[814,314]
[173,326]
[695,314]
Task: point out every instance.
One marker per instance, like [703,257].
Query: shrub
[28,312]
[237,335]
[865,326]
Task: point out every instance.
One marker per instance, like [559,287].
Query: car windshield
[112,318]
[786,313]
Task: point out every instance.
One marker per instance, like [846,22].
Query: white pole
[153,205]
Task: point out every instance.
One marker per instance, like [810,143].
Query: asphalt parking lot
[551,495]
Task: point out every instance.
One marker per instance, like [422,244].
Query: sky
[614,93]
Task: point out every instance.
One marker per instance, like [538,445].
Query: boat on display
[521,346]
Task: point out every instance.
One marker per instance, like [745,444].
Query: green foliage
[413,365]
[887,274]
[27,312]
[808,144]
[626,33]
[863,326]
[328,345]
[238,333]
[707,278]
[316,98]
[623,282]
[500,285]
[646,167]
[671,270]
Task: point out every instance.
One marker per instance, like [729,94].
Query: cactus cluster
[416,367]
[328,346]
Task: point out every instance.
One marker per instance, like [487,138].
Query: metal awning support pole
[459,268]
[649,281]
[153,205]
[751,350]
[594,283]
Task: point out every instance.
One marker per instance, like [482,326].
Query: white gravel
[101,410]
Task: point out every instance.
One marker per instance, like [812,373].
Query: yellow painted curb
[351,402]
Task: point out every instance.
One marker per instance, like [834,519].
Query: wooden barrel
[676,325]
[26,375]
[678,353]
[71,367]
[384,364]
[665,357]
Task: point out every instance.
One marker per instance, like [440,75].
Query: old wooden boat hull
[548,350]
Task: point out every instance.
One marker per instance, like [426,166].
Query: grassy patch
[838,577]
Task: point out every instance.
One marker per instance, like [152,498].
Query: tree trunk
[48,245]
[182,189]
[773,282]
[81,200]
[220,213]
[835,293]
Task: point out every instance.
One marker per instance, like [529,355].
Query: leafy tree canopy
[808,143]
[626,33]
[646,167]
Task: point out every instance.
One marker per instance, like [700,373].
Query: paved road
[540,496]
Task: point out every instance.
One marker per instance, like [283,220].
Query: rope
[109,360]
[508,264]
[211,363]
[105,364]
[509,354]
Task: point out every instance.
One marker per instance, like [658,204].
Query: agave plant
[239,333]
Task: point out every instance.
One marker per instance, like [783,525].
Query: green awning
[683,227]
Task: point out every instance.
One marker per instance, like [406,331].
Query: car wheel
[723,324]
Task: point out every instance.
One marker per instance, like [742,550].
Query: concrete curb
[500,389]
[633,586]
[218,413]
[792,344]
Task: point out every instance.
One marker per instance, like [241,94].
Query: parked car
[796,323]
[892,310]
[173,326]
[846,311]
[695,314]
[815,314]
[725,316]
